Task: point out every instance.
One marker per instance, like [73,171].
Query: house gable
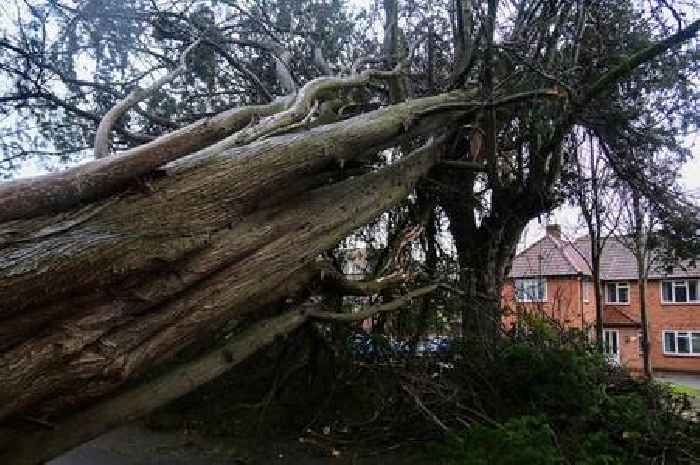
[550,256]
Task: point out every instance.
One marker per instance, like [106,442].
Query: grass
[682,389]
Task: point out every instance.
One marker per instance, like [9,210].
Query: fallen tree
[110,269]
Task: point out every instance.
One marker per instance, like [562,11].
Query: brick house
[552,276]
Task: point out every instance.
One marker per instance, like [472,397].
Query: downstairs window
[685,343]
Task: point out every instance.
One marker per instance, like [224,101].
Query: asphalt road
[692,381]
[137,445]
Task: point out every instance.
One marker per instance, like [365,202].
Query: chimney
[554,230]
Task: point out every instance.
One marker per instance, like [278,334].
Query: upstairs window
[679,291]
[531,290]
[617,293]
[685,343]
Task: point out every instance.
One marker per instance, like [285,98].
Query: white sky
[569,217]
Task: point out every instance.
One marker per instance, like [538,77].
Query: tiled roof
[551,256]
[548,257]
[617,317]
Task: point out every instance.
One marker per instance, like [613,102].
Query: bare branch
[282,58]
[243,69]
[58,191]
[372,310]
[628,65]
[304,102]
[102,137]
[507,100]
[319,59]
[465,165]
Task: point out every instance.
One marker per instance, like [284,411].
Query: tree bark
[640,250]
[99,295]
[648,371]
[96,296]
[21,449]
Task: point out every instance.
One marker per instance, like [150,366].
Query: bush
[553,400]
[523,440]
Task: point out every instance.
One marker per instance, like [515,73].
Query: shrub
[554,400]
[523,440]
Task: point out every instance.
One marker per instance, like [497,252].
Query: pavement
[692,381]
[137,445]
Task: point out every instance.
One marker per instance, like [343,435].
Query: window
[617,293]
[681,291]
[670,343]
[531,290]
[640,339]
[611,345]
[685,343]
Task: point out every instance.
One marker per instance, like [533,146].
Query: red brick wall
[662,317]
[670,317]
[564,303]
[629,337]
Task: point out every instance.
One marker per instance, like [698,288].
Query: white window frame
[674,283]
[675,333]
[615,356]
[618,285]
[521,298]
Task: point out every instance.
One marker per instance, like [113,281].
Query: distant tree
[591,186]
[655,242]
[640,225]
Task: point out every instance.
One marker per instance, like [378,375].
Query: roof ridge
[531,246]
[560,256]
[559,244]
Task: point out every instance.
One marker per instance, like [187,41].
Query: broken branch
[368,312]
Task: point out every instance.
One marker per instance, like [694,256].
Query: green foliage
[526,439]
[555,401]
[684,390]
[536,378]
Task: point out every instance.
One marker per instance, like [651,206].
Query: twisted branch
[103,146]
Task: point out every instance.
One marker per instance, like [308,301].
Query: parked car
[434,346]
[374,348]
[369,348]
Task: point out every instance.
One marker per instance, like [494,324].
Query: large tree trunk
[98,295]
[485,245]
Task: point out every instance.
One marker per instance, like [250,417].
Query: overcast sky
[569,218]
